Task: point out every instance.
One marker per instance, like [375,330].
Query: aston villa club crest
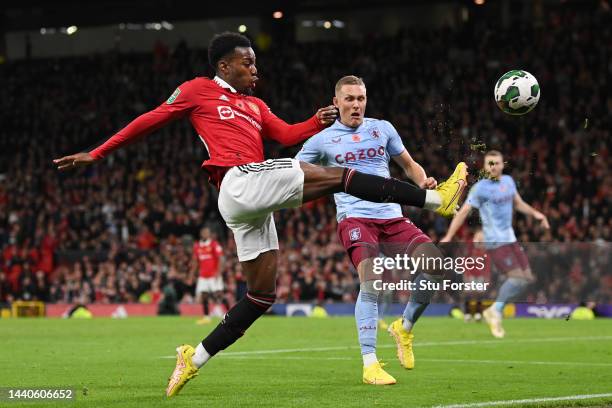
[375,133]
[355,234]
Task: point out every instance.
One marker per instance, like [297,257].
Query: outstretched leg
[321,181]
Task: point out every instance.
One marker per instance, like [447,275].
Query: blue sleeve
[312,150]
[512,184]
[395,146]
[474,199]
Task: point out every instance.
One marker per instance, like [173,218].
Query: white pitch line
[561,363]
[417,344]
[526,401]
[433,360]
[437,360]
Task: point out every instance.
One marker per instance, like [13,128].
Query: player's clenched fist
[327,115]
[73,161]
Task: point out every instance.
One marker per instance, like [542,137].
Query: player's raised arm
[526,209]
[280,131]
[400,155]
[414,170]
[457,222]
[177,105]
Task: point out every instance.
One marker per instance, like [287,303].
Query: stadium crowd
[121,230]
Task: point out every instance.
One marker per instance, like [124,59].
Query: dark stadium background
[120,231]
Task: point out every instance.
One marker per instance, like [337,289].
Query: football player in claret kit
[367,229]
[496,197]
[209,260]
[232,124]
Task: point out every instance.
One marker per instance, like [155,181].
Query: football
[517,92]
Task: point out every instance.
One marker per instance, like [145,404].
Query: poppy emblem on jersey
[355,234]
[502,188]
[173,97]
[356,138]
[253,107]
[336,139]
[375,133]
[225,112]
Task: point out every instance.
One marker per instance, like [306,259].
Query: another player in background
[366,228]
[496,197]
[232,125]
[209,261]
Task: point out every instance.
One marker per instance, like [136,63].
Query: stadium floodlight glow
[43,31]
[168,26]
[307,23]
[338,23]
[157,26]
[479,2]
[242,28]
[327,25]
[71,30]
[277,14]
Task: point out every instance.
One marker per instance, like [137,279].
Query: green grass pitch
[306,362]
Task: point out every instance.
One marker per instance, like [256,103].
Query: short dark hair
[224,44]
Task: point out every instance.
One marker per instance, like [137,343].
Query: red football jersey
[231,125]
[208,253]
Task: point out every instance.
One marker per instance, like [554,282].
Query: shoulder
[382,125]
[508,179]
[376,122]
[318,138]
[258,101]
[478,184]
[198,82]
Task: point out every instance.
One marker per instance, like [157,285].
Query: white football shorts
[209,285]
[250,193]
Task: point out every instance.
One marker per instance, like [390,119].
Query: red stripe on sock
[262,303]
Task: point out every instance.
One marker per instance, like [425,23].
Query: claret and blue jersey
[367,148]
[495,201]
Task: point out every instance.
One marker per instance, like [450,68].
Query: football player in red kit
[209,260]
[232,124]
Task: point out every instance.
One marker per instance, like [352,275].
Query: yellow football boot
[403,340]
[450,191]
[494,320]
[375,375]
[184,370]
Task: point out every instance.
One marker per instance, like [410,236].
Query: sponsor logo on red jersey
[225,112]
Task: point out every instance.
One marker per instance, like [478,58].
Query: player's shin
[366,317]
[381,190]
[511,289]
[236,321]
[419,298]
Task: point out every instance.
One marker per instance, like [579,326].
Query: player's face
[351,103]
[239,70]
[204,233]
[494,165]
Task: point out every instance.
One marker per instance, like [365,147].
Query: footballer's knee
[322,177]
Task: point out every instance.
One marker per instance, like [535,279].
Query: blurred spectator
[116,232]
